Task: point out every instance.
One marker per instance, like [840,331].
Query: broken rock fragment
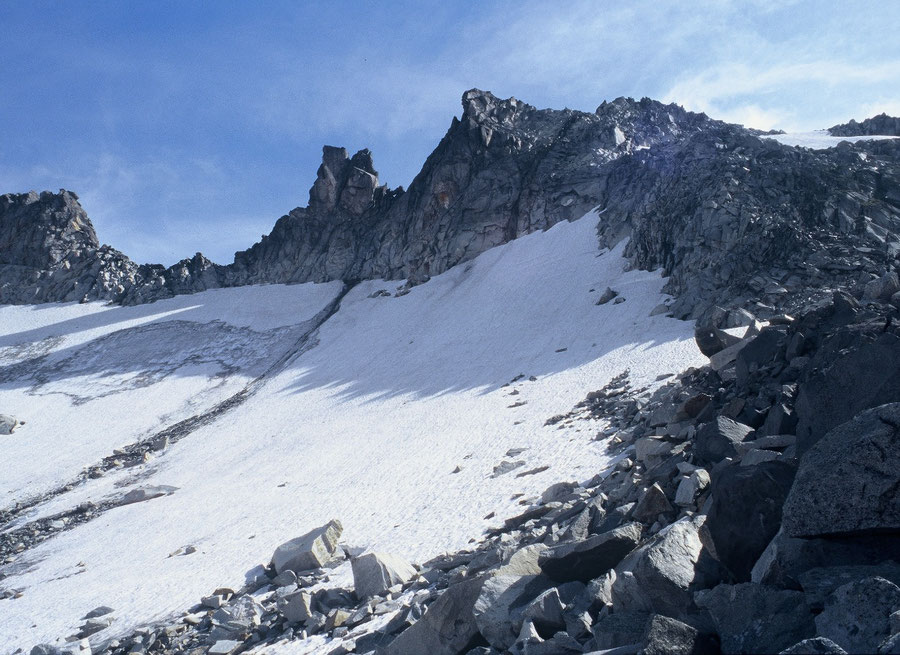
[310,551]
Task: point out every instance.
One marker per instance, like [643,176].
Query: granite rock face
[727,214]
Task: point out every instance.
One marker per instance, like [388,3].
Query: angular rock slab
[311,551]
[591,558]
[501,605]
[375,573]
[857,615]
[716,440]
[661,576]
[666,636]
[447,628]
[848,482]
[753,618]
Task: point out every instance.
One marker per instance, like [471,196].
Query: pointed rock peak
[333,157]
[480,106]
[343,185]
[363,161]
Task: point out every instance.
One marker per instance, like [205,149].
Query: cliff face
[49,252]
[504,169]
[725,213]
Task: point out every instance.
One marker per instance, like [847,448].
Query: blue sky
[187,126]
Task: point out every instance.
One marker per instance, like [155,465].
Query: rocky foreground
[754,508]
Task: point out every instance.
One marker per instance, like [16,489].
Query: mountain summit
[723,210]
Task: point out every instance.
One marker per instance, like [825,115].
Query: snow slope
[367,426]
[820,139]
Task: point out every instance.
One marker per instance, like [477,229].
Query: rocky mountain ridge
[753,506]
[880,124]
[727,214]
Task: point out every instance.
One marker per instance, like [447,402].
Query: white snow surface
[820,139]
[367,426]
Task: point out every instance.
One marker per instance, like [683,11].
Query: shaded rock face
[877,125]
[745,513]
[847,483]
[734,218]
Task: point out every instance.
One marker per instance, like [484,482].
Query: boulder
[310,551]
[881,289]
[546,613]
[711,340]
[768,347]
[8,424]
[591,558]
[745,513]
[716,440]
[375,573]
[147,493]
[690,486]
[661,576]
[751,618]
[237,618]
[843,384]
[652,503]
[847,483]
[607,295]
[618,628]
[819,583]
[297,607]
[785,559]
[891,645]
[501,604]
[857,615]
[666,636]
[448,626]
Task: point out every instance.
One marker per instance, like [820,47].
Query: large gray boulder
[310,551]
[447,627]
[661,576]
[857,615]
[374,573]
[591,558]
[848,482]
[501,605]
[716,440]
[753,618]
[666,636]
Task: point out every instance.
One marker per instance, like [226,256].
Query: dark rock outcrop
[882,124]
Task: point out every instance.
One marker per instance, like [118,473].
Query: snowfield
[820,139]
[366,424]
